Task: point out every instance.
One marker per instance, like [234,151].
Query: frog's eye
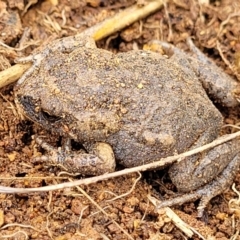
[48,117]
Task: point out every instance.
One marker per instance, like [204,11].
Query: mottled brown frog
[144,105]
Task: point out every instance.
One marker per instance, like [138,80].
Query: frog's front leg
[98,161]
[64,45]
[218,85]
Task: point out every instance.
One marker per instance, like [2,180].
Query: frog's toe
[209,191]
[105,152]
[27,59]
[36,59]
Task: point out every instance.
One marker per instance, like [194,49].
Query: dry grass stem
[33,178]
[128,192]
[225,22]
[235,236]
[49,201]
[179,223]
[81,214]
[31,43]
[13,73]
[223,57]
[234,204]
[145,212]
[13,236]
[18,225]
[47,224]
[170,32]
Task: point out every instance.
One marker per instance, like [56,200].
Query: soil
[68,213]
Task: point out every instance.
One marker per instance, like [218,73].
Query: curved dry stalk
[13,235]
[19,225]
[162,162]
[187,229]
[128,192]
[13,73]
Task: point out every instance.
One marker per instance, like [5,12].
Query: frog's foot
[36,60]
[100,161]
[64,45]
[206,193]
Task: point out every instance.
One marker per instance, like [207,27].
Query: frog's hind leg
[99,161]
[218,85]
[209,191]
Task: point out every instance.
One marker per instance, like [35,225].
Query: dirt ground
[68,213]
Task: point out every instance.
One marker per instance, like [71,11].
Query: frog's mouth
[32,110]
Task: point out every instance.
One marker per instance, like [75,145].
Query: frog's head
[31,108]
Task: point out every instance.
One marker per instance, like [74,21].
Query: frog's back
[168,110]
[144,105]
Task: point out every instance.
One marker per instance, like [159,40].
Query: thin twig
[170,32]
[18,225]
[179,223]
[81,214]
[234,204]
[145,212]
[174,217]
[49,201]
[223,57]
[128,192]
[10,236]
[223,23]
[47,225]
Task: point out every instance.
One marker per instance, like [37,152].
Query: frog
[133,108]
